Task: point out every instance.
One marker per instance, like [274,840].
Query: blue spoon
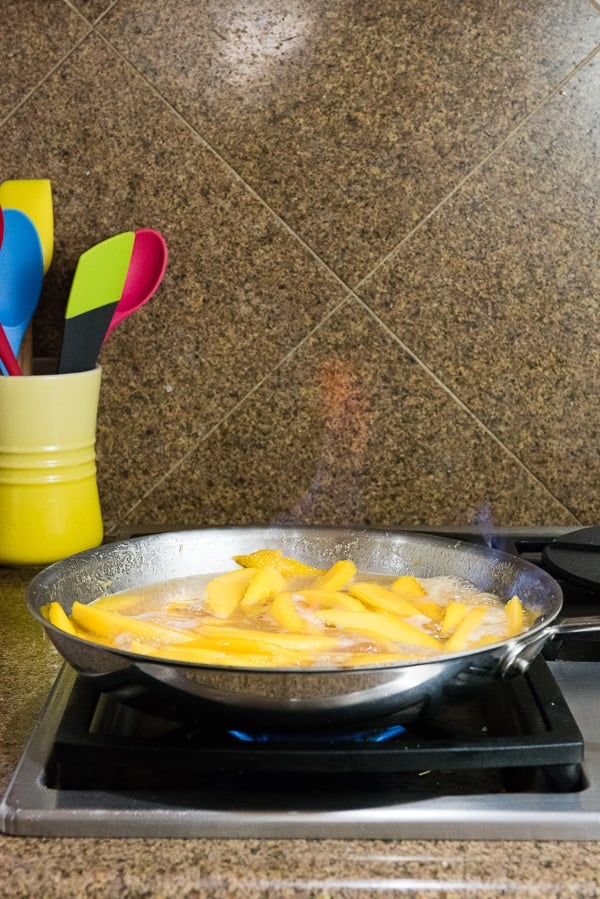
[21,275]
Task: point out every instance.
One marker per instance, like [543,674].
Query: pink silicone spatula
[146,270]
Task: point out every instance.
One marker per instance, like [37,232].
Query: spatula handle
[7,357]
[82,339]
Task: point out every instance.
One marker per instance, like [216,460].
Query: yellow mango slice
[203,656]
[454,614]
[331,599]
[224,592]
[311,642]
[337,576]
[258,609]
[486,640]
[408,586]
[58,617]
[119,602]
[459,639]
[369,659]
[274,558]
[428,607]
[378,625]
[110,625]
[283,610]
[264,583]
[514,615]
[381,598]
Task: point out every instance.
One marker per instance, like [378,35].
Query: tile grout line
[240,180]
[235,175]
[232,171]
[462,405]
[415,229]
[49,73]
[350,296]
[351,292]
[477,168]
[225,418]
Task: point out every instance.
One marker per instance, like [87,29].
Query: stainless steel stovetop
[33,806]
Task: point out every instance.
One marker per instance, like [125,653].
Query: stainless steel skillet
[290,697]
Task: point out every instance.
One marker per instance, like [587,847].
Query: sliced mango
[199,655]
[59,618]
[111,624]
[119,602]
[283,610]
[428,607]
[277,612]
[311,642]
[454,614]
[459,639]
[224,592]
[515,615]
[486,640]
[408,586]
[359,659]
[337,576]
[274,558]
[381,598]
[264,583]
[331,599]
[378,625]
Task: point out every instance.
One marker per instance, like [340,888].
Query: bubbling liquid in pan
[261,617]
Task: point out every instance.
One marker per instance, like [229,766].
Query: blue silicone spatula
[21,275]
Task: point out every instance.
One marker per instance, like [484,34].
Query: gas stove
[518,760]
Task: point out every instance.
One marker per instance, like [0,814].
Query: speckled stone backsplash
[382,303]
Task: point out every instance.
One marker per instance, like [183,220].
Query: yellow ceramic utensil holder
[49,502]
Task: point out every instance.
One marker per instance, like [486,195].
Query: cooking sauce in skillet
[338,618]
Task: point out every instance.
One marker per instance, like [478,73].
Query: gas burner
[518,733]
[371,735]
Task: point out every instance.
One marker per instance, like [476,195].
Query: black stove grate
[515,735]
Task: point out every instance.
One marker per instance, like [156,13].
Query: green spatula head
[100,274]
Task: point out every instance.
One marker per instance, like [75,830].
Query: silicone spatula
[146,270]
[97,288]
[34,198]
[21,275]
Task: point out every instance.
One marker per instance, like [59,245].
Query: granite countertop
[320,869]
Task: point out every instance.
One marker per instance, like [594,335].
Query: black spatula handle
[83,337]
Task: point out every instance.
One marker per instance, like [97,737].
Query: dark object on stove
[576,557]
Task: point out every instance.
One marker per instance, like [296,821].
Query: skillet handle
[570,628]
[573,627]
[521,651]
